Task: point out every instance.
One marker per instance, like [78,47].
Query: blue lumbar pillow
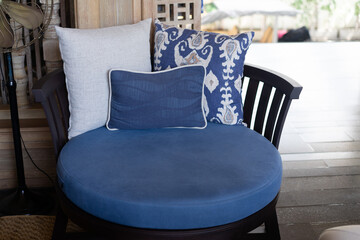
[223,57]
[170,98]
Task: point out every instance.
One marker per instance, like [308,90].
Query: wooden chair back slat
[272,116]
[250,100]
[55,110]
[262,108]
[63,104]
[51,92]
[51,118]
[281,121]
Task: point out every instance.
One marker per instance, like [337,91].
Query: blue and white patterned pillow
[223,57]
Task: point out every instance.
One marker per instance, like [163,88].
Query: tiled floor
[320,144]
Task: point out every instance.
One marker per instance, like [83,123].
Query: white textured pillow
[88,55]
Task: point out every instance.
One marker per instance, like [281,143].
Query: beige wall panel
[106,13]
[124,11]
[87,13]
[136,8]
[147,9]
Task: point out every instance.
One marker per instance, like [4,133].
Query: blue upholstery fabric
[170,98]
[223,57]
[170,178]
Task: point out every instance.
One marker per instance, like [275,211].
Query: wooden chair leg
[272,227]
[59,230]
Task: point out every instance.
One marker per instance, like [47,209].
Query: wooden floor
[320,145]
[37,140]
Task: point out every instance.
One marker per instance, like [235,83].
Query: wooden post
[28,60]
[3,81]
[18,62]
[37,50]
[51,51]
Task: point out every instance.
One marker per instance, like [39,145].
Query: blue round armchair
[217,183]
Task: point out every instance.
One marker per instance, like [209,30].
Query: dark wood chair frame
[265,111]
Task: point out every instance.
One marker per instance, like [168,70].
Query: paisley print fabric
[223,57]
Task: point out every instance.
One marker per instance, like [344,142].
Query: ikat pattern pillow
[223,57]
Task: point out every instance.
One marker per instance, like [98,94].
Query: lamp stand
[22,200]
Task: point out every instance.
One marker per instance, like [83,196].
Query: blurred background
[324,20]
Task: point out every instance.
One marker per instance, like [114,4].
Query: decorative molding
[179,13]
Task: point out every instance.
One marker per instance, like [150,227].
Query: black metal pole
[11,85]
[22,200]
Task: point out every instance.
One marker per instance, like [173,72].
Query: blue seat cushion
[170,178]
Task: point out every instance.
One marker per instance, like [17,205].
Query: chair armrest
[267,116]
[278,80]
[51,92]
